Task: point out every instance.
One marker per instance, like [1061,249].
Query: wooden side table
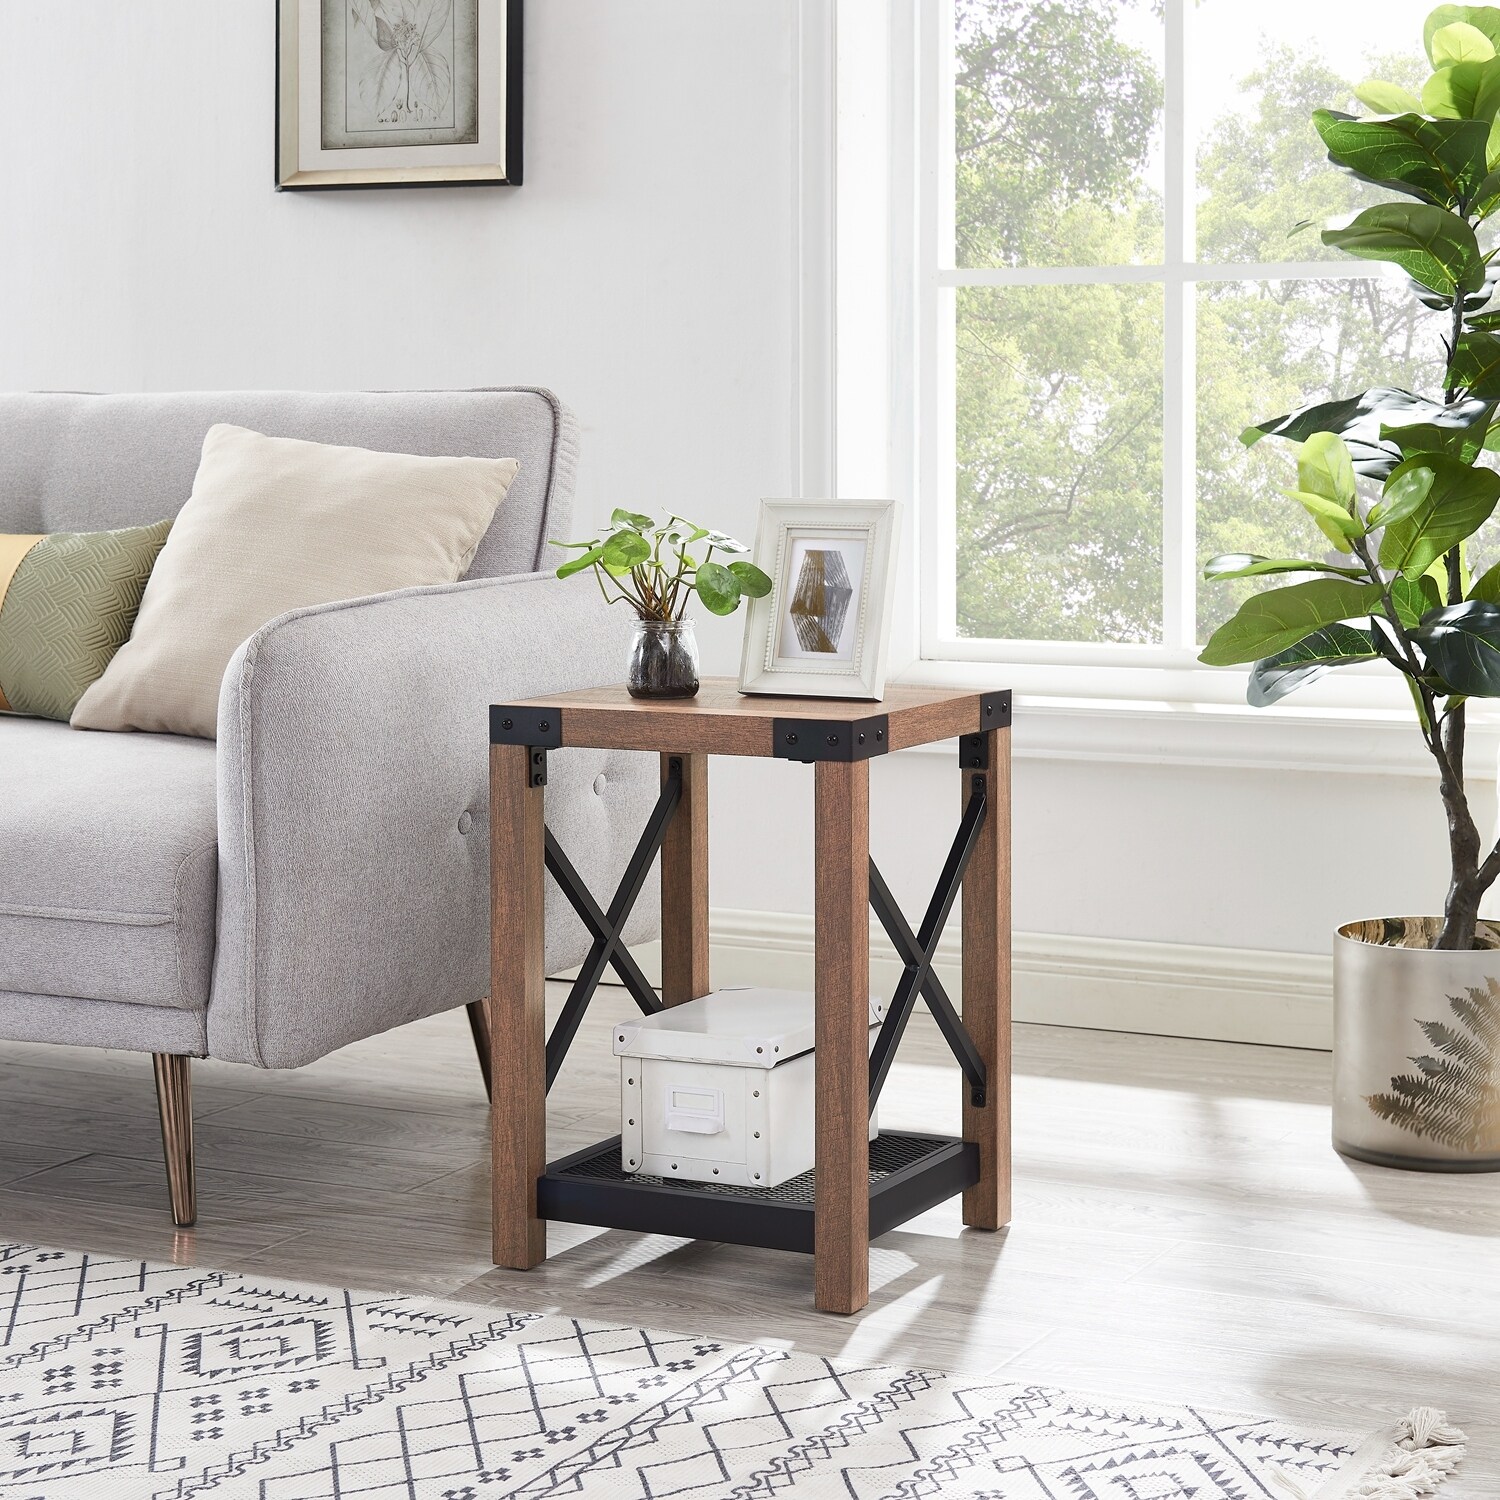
[859,1188]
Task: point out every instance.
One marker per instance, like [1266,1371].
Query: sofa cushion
[108,865]
[276,524]
[67,603]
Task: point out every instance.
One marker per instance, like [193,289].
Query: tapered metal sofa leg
[479,1024]
[174,1102]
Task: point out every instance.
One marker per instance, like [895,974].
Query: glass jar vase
[663,660]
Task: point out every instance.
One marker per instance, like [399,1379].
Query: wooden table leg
[684,887]
[986,987]
[841,936]
[518,1019]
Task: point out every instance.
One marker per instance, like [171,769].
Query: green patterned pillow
[67,603]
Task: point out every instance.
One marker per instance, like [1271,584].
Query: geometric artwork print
[126,1380]
[820,602]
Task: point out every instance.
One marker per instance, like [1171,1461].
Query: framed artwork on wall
[822,630]
[398,93]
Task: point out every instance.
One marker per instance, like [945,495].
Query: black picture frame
[289,178]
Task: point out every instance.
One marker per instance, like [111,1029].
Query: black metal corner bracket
[607,928]
[540,727]
[917,951]
[994,710]
[812,740]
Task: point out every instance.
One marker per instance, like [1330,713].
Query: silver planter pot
[1416,1048]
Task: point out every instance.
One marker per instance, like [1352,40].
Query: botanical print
[399,73]
[1454,1098]
[408,79]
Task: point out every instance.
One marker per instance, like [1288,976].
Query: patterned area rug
[126,1380]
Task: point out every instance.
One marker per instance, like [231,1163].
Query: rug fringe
[1417,1457]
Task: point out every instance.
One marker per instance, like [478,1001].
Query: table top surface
[721,720]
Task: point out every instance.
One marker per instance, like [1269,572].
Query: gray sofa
[321,873]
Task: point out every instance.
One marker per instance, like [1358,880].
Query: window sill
[1069,713]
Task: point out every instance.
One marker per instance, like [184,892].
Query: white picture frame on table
[823,630]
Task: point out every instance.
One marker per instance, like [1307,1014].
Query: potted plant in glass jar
[1397,485]
[649,566]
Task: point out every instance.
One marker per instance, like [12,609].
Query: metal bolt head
[989,708]
[544,726]
[757,1135]
[791,739]
[879,735]
[861,737]
[716,1171]
[507,723]
[833,739]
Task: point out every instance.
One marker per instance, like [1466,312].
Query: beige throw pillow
[275,524]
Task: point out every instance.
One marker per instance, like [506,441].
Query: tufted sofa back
[93,463]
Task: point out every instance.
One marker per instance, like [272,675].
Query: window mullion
[1179,467]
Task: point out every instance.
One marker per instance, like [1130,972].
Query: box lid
[745,1028]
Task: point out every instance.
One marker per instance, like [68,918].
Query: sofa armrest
[354,806]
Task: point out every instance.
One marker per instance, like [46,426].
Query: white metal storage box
[721,1089]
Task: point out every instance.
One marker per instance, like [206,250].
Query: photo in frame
[822,631]
[398,93]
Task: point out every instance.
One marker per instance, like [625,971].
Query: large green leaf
[1476,365]
[1271,622]
[1366,422]
[1463,441]
[1387,98]
[1470,91]
[1312,656]
[1333,520]
[1432,246]
[1414,598]
[1439,161]
[1486,588]
[1462,646]
[1459,42]
[1324,468]
[1485,18]
[1253,565]
[1459,501]
[1405,492]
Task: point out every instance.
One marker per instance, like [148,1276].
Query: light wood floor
[1182,1231]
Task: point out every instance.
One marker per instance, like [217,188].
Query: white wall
[649,271]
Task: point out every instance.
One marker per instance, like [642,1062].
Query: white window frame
[922,238]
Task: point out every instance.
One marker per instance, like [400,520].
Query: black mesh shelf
[908,1175]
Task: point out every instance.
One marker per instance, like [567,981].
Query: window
[1109,295]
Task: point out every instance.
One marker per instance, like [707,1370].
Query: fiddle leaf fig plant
[1396,482]
[657,567]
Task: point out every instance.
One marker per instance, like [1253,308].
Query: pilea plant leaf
[754,584]
[578,564]
[718,588]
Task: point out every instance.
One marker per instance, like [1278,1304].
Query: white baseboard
[1108,984]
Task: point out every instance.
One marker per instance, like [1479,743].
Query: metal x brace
[607,927]
[916,950]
